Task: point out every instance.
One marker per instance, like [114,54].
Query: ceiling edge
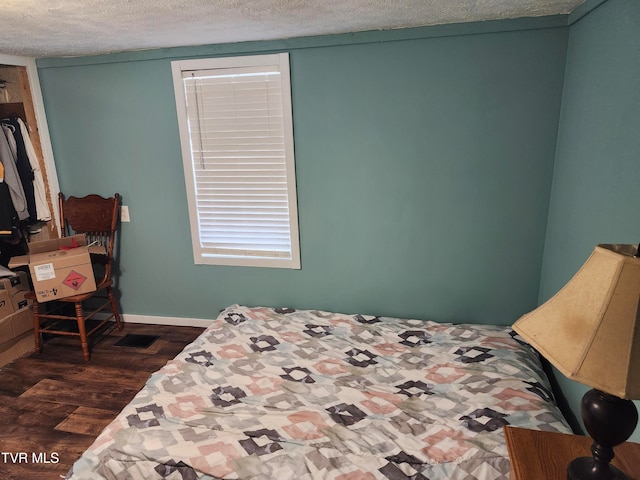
[371,36]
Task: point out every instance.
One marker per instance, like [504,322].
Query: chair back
[95,216]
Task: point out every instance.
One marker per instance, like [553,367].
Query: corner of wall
[582,10]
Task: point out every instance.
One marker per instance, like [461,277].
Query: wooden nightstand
[538,455]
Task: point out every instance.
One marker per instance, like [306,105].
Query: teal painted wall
[596,184]
[424,168]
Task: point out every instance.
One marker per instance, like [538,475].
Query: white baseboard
[177,321]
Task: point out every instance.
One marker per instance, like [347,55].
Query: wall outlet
[124,214]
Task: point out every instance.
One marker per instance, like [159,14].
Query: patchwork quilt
[283,394]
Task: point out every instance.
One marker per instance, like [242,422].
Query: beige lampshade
[590,329]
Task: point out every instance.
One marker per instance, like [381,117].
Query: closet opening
[25,187]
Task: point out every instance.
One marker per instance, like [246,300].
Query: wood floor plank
[81,393]
[35,413]
[36,443]
[56,403]
[31,470]
[87,421]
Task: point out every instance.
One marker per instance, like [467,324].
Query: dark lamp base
[610,421]
[586,468]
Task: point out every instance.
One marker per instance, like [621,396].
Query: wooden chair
[97,217]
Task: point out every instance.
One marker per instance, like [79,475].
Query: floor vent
[136,341]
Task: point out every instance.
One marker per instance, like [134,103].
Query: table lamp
[590,331]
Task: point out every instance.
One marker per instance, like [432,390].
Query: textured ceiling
[41,28]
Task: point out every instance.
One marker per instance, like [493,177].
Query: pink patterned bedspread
[280,394]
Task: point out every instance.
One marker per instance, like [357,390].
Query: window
[236,132]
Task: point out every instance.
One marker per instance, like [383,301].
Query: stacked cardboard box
[12,293]
[60,267]
[16,318]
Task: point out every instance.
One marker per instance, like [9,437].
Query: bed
[288,394]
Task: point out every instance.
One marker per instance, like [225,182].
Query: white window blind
[237,143]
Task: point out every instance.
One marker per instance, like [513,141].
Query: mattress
[289,394]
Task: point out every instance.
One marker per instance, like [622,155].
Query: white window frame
[201,253]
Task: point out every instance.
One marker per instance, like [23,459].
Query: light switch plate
[124,214]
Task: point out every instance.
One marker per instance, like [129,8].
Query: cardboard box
[12,303]
[12,293]
[60,267]
[19,301]
[6,305]
[17,283]
[16,335]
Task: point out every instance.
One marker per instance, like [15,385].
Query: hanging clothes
[24,167]
[43,213]
[11,140]
[11,176]
[9,222]
[12,240]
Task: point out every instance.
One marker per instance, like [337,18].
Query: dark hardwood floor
[53,405]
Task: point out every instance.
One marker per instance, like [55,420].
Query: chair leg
[36,327]
[83,331]
[114,308]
